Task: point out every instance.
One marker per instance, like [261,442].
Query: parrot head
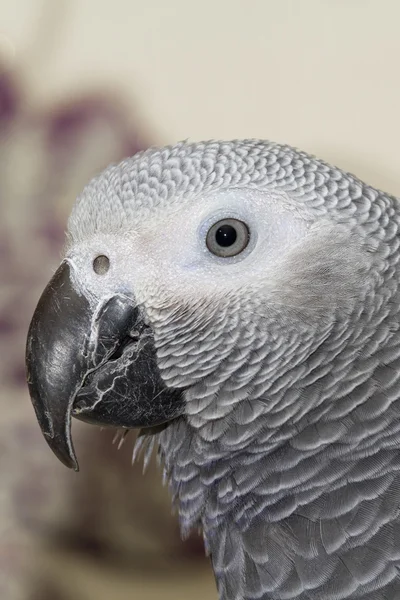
[194,278]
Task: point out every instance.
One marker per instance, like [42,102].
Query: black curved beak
[56,360]
[98,364]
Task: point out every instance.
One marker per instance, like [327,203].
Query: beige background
[322,75]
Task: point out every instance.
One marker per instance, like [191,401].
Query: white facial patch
[173,249]
[168,251]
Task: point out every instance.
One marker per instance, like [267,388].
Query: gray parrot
[239,303]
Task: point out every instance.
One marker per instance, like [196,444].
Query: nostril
[101,264]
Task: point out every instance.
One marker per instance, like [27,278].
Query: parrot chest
[325,528]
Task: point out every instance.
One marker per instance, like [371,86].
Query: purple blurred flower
[9,100]
[45,160]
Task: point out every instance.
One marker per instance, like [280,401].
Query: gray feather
[288,454]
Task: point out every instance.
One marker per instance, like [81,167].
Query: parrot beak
[55,360]
[98,365]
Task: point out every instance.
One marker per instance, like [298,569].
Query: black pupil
[225,236]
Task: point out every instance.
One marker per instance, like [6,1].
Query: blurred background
[87,82]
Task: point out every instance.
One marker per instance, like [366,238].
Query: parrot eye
[101,264]
[228,237]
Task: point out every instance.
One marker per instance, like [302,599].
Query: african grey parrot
[239,301]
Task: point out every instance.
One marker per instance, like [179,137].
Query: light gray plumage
[288,454]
